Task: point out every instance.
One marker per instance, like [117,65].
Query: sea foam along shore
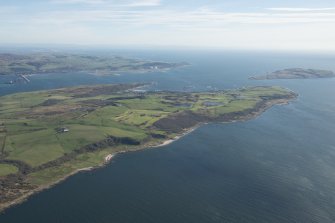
[169,141]
[109,157]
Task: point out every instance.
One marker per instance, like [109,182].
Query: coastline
[149,145]
[169,141]
[26,196]
[107,159]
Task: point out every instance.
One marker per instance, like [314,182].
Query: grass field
[6,169]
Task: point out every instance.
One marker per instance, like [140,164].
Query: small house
[62,130]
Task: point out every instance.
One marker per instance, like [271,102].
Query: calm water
[279,167]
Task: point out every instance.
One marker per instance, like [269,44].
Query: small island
[48,62]
[296,73]
[46,136]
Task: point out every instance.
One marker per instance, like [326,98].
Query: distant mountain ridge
[62,62]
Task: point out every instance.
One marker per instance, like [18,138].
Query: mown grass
[235,106]
[143,118]
[152,102]
[262,91]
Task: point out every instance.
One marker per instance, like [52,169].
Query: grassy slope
[6,169]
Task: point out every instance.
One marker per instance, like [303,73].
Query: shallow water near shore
[279,167]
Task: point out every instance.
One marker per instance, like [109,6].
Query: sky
[227,24]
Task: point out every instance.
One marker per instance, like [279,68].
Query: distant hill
[296,73]
[61,63]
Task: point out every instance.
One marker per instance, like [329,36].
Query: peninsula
[39,63]
[296,73]
[45,136]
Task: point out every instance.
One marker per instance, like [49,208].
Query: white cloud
[301,9]
[110,3]
[140,3]
[170,18]
[78,1]
[126,22]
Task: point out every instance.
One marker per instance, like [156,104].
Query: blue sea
[278,168]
